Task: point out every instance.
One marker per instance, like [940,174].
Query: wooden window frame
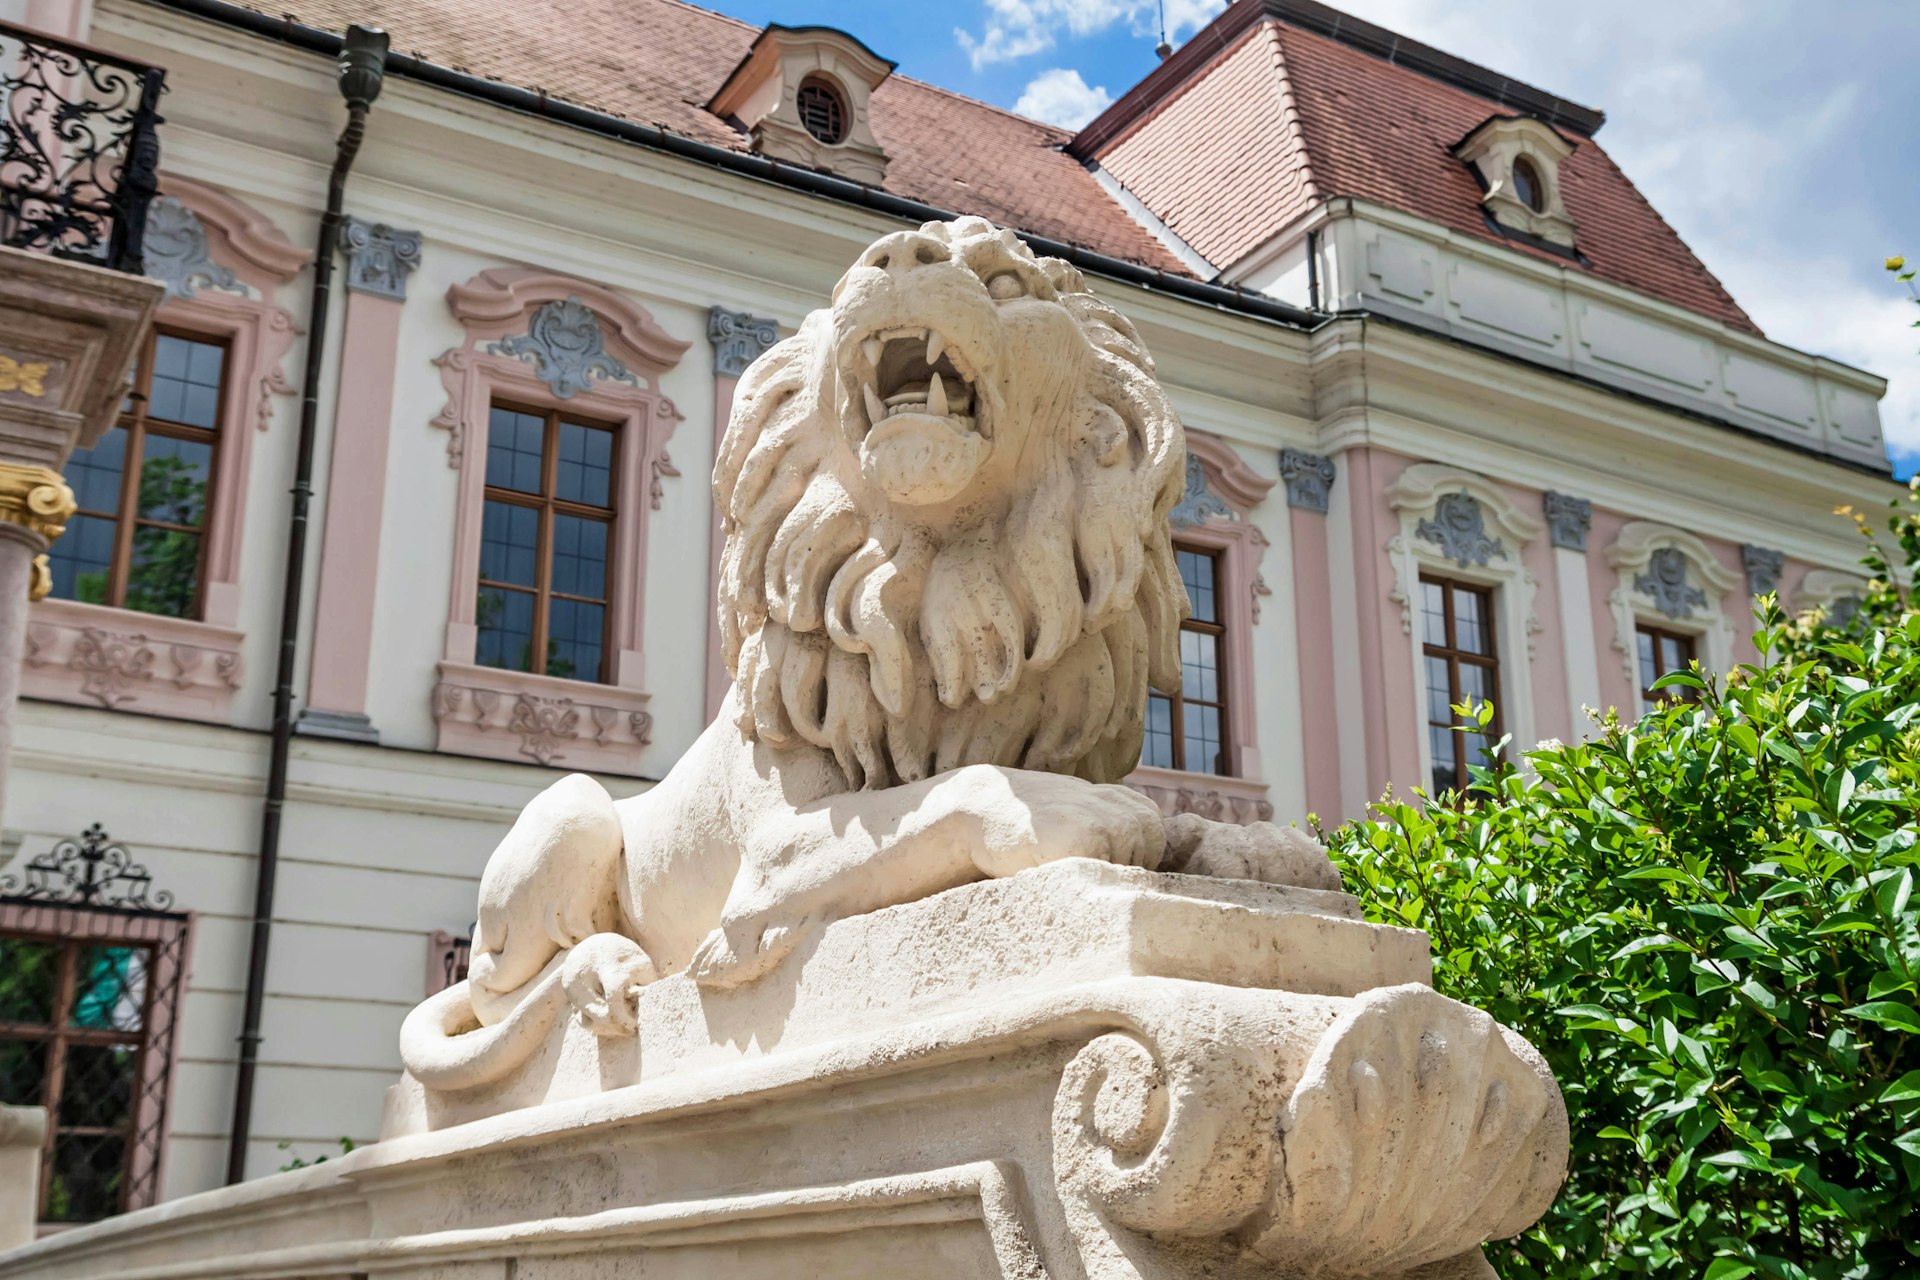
[547,505]
[1680,693]
[135,421]
[1455,656]
[1223,674]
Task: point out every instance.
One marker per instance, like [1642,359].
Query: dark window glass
[1662,651]
[1188,730]
[1526,185]
[822,113]
[142,491]
[1461,665]
[545,540]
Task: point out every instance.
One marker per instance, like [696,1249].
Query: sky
[1780,138]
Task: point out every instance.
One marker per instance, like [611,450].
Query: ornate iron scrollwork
[92,871]
[79,151]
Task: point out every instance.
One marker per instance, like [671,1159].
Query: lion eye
[1007,284]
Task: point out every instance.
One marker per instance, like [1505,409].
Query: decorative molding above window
[1838,594]
[1221,490]
[513,715]
[1764,566]
[94,656]
[544,720]
[802,94]
[1669,576]
[1518,160]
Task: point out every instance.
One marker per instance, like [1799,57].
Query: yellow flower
[1896,264]
[16,375]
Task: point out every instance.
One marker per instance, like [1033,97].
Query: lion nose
[902,251]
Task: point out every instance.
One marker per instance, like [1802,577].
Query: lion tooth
[875,410]
[936,398]
[936,343]
[872,348]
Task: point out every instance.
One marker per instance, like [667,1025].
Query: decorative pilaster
[1764,566]
[1568,521]
[1309,479]
[738,339]
[379,257]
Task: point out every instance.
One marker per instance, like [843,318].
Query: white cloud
[1020,28]
[1059,96]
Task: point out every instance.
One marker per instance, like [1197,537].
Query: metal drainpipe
[363,59]
[1313,269]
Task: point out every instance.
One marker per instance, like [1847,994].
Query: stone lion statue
[947,587]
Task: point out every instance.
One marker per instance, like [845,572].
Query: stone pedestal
[1079,1071]
[68,332]
[23,1132]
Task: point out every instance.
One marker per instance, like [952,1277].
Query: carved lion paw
[1049,817]
[1257,851]
[602,977]
[748,945]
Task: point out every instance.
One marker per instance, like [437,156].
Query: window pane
[1442,744]
[1677,653]
[109,989]
[1469,627]
[1439,691]
[1200,666]
[580,556]
[1202,725]
[505,622]
[28,972]
[81,558]
[96,1087]
[164,574]
[585,467]
[1433,613]
[23,1072]
[1157,750]
[1196,570]
[186,381]
[85,1181]
[94,474]
[574,632]
[514,443]
[1476,683]
[173,480]
[509,543]
[1649,672]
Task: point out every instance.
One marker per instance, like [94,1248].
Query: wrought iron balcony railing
[78,149]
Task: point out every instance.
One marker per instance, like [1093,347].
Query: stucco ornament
[174,252]
[564,344]
[1667,585]
[1459,529]
[947,586]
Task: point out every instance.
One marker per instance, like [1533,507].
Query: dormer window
[802,95]
[822,112]
[1518,161]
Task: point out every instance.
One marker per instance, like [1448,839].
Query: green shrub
[1707,923]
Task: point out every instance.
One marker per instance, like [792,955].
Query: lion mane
[1025,637]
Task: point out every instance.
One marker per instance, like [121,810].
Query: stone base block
[1080,1071]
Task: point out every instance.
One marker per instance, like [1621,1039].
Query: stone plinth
[1078,1071]
[23,1132]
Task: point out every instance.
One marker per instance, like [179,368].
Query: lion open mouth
[915,371]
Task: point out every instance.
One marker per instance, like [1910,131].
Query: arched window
[1526,185]
[822,110]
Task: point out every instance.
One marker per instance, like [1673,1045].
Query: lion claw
[719,962]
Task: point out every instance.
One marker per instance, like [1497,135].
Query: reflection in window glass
[1187,730]
[1661,651]
[1461,667]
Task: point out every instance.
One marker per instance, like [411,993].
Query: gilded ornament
[35,499]
[23,376]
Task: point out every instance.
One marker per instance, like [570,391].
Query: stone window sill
[538,719]
[93,655]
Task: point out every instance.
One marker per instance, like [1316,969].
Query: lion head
[945,501]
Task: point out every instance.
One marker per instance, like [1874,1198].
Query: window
[1462,664]
[1526,185]
[1661,651]
[1188,729]
[545,534]
[143,492]
[74,1016]
[822,112]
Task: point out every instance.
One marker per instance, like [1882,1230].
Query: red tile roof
[1282,118]
[660,62]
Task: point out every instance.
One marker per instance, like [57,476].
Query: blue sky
[1779,137]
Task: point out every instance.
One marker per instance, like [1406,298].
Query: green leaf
[1888,1013]
[1905,1089]
[1728,1269]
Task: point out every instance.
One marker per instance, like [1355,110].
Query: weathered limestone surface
[887,976]
[23,1131]
[1083,1070]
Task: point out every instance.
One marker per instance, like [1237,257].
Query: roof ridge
[1712,276]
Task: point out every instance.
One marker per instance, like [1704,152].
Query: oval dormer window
[1526,185]
[822,111]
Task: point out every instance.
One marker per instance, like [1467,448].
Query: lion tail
[444,1046]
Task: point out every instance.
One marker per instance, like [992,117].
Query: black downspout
[363,57]
[1313,269]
